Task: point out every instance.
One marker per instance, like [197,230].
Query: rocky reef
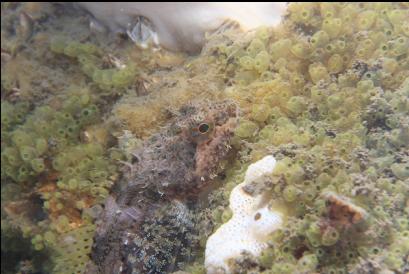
[121,159]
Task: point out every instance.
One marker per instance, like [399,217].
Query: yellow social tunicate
[247,62]
[260,113]
[397,16]
[366,19]
[390,65]
[319,39]
[255,47]
[332,26]
[335,63]
[296,104]
[246,129]
[328,10]
[405,28]
[400,46]
[262,61]
[280,48]
[301,50]
[318,72]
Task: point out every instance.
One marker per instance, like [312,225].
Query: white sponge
[260,169]
[250,225]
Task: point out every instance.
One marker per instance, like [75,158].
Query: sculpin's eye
[203,128]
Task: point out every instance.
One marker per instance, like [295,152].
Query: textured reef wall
[326,93]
